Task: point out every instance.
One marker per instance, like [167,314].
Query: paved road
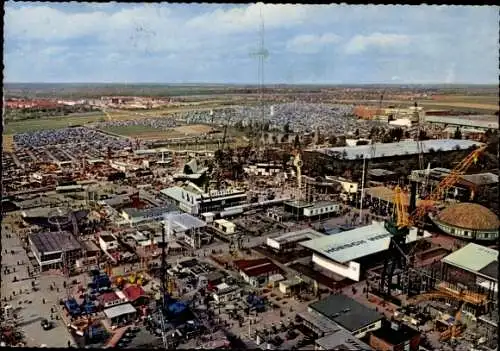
[30,315]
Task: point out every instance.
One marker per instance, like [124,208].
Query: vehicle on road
[46,324]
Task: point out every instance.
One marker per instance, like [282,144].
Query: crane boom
[445,184]
[403,220]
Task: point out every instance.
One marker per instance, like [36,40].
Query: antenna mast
[262,54]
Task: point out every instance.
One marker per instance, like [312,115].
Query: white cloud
[311,44]
[45,23]
[247,18]
[162,42]
[49,24]
[360,43]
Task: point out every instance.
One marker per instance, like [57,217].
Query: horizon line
[251,84]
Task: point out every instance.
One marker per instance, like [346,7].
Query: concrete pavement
[31,314]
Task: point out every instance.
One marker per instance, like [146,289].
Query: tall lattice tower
[261,54]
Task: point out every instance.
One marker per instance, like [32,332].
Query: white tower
[297,162]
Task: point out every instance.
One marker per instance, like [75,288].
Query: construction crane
[399,225]
[219,166]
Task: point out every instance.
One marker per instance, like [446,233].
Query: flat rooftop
[482,121]
[395,333]
[52,242]
[225,222]
[356,243]
[107,238]
[184,221]
[298,203]
[409,147]
[300,235]
[321,204]
[476,259]
[342,340]
[320,322]
[380,172]
[386,194]
[346,312]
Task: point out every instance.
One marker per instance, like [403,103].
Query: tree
[296,142]
[333,140]
[457,134]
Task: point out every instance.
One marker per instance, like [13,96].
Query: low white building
[194,200]
[108,241]
[339,253]
[263,169]
[134,216]
[225,226]
[481,261]
[323,208]
[119,314]
[290,240]
[225,293]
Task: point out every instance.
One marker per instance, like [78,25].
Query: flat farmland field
[482,104]
[131,131]
[32,125]
[194,129]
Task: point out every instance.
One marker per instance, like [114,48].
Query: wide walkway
[31,314]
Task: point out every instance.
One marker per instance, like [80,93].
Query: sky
[210,43]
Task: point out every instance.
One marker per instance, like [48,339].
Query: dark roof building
[48,248]
[256,272]
[135,294]
[395,336]
[53,242]
[349,314]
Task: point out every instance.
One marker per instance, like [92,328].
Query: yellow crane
[403,220]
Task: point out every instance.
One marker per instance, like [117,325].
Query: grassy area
[48,123]
[15,127]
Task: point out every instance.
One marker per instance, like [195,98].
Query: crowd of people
[73,136]
[161,123]
[294,117]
